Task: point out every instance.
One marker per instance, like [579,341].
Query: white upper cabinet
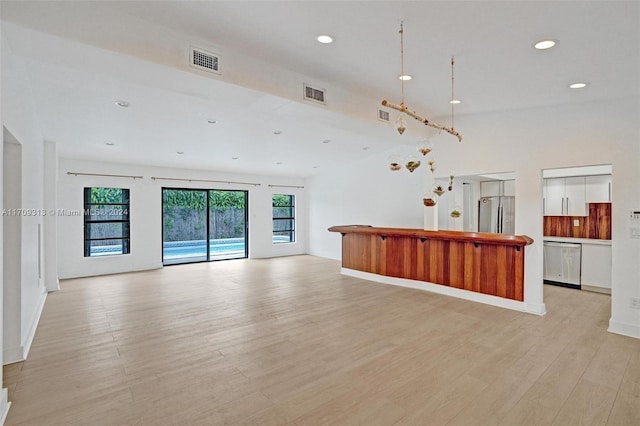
[565,197]
[574,190]
[496,188]
[554,197]
[598,189]
[509,188]
[491,188]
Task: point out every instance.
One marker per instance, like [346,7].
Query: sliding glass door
[227,224]
[203,225]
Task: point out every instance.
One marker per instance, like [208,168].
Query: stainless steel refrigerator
[497,215]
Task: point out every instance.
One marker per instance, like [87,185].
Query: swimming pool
[180,249]
[198,248]
[220,248]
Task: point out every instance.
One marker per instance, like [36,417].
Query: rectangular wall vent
[383,115]
[205,61]
[313,94]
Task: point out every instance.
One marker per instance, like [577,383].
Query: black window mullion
[124,221]
[207,228]
[289,210]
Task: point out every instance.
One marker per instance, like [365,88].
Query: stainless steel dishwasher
[562,263]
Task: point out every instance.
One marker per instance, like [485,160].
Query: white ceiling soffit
[142,56]
[491,58]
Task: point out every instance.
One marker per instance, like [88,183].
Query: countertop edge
[577,240]
[479,237]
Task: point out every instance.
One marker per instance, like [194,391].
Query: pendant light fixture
[401,125]
[400,122]
[412,162]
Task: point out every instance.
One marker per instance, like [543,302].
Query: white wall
[449,201]
[50,231]
[19,118]
[146,213]
[510,141]
[4,403]
[365,193]
[11,242]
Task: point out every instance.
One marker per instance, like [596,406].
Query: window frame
[292,231]
[126,223]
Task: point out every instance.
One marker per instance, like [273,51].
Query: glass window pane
[94,231]
[108,247]
[227,224]
[106,212]
[283,200]
[283,212]
[283,225]
[283,237]
[107,196]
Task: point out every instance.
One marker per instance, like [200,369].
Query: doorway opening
[202,225]
[577,237]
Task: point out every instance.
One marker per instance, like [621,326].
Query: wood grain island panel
[475,261]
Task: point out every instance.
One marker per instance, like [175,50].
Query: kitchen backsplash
[597,225]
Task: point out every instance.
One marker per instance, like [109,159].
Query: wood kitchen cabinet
[598,189]
[565,196]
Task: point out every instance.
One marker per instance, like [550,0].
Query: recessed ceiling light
[279,162]
[179,152]
[212,121]
[405,77]
[365,148]
[109,143]
[455,101]
[123,104]
[578,85]
[545,44]
[324,39]
[277,132]
[315,167]
[326,141]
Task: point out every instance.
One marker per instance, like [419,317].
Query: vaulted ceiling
[82,57]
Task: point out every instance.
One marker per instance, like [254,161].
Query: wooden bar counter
[476,261]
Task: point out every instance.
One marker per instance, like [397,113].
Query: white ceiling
[83,56]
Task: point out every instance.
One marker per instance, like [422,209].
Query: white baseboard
[626,329]
[20,353]
[33,325]
[594,289]
[4,405]
[53,285]
[98,270]
[537,309]
[12,355]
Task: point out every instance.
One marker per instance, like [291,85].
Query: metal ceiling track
[104,175]
[205,180]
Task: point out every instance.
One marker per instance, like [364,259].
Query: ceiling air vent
[383,115]
[313,94]
[205,61]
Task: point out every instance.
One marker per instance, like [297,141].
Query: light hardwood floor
[291,341]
